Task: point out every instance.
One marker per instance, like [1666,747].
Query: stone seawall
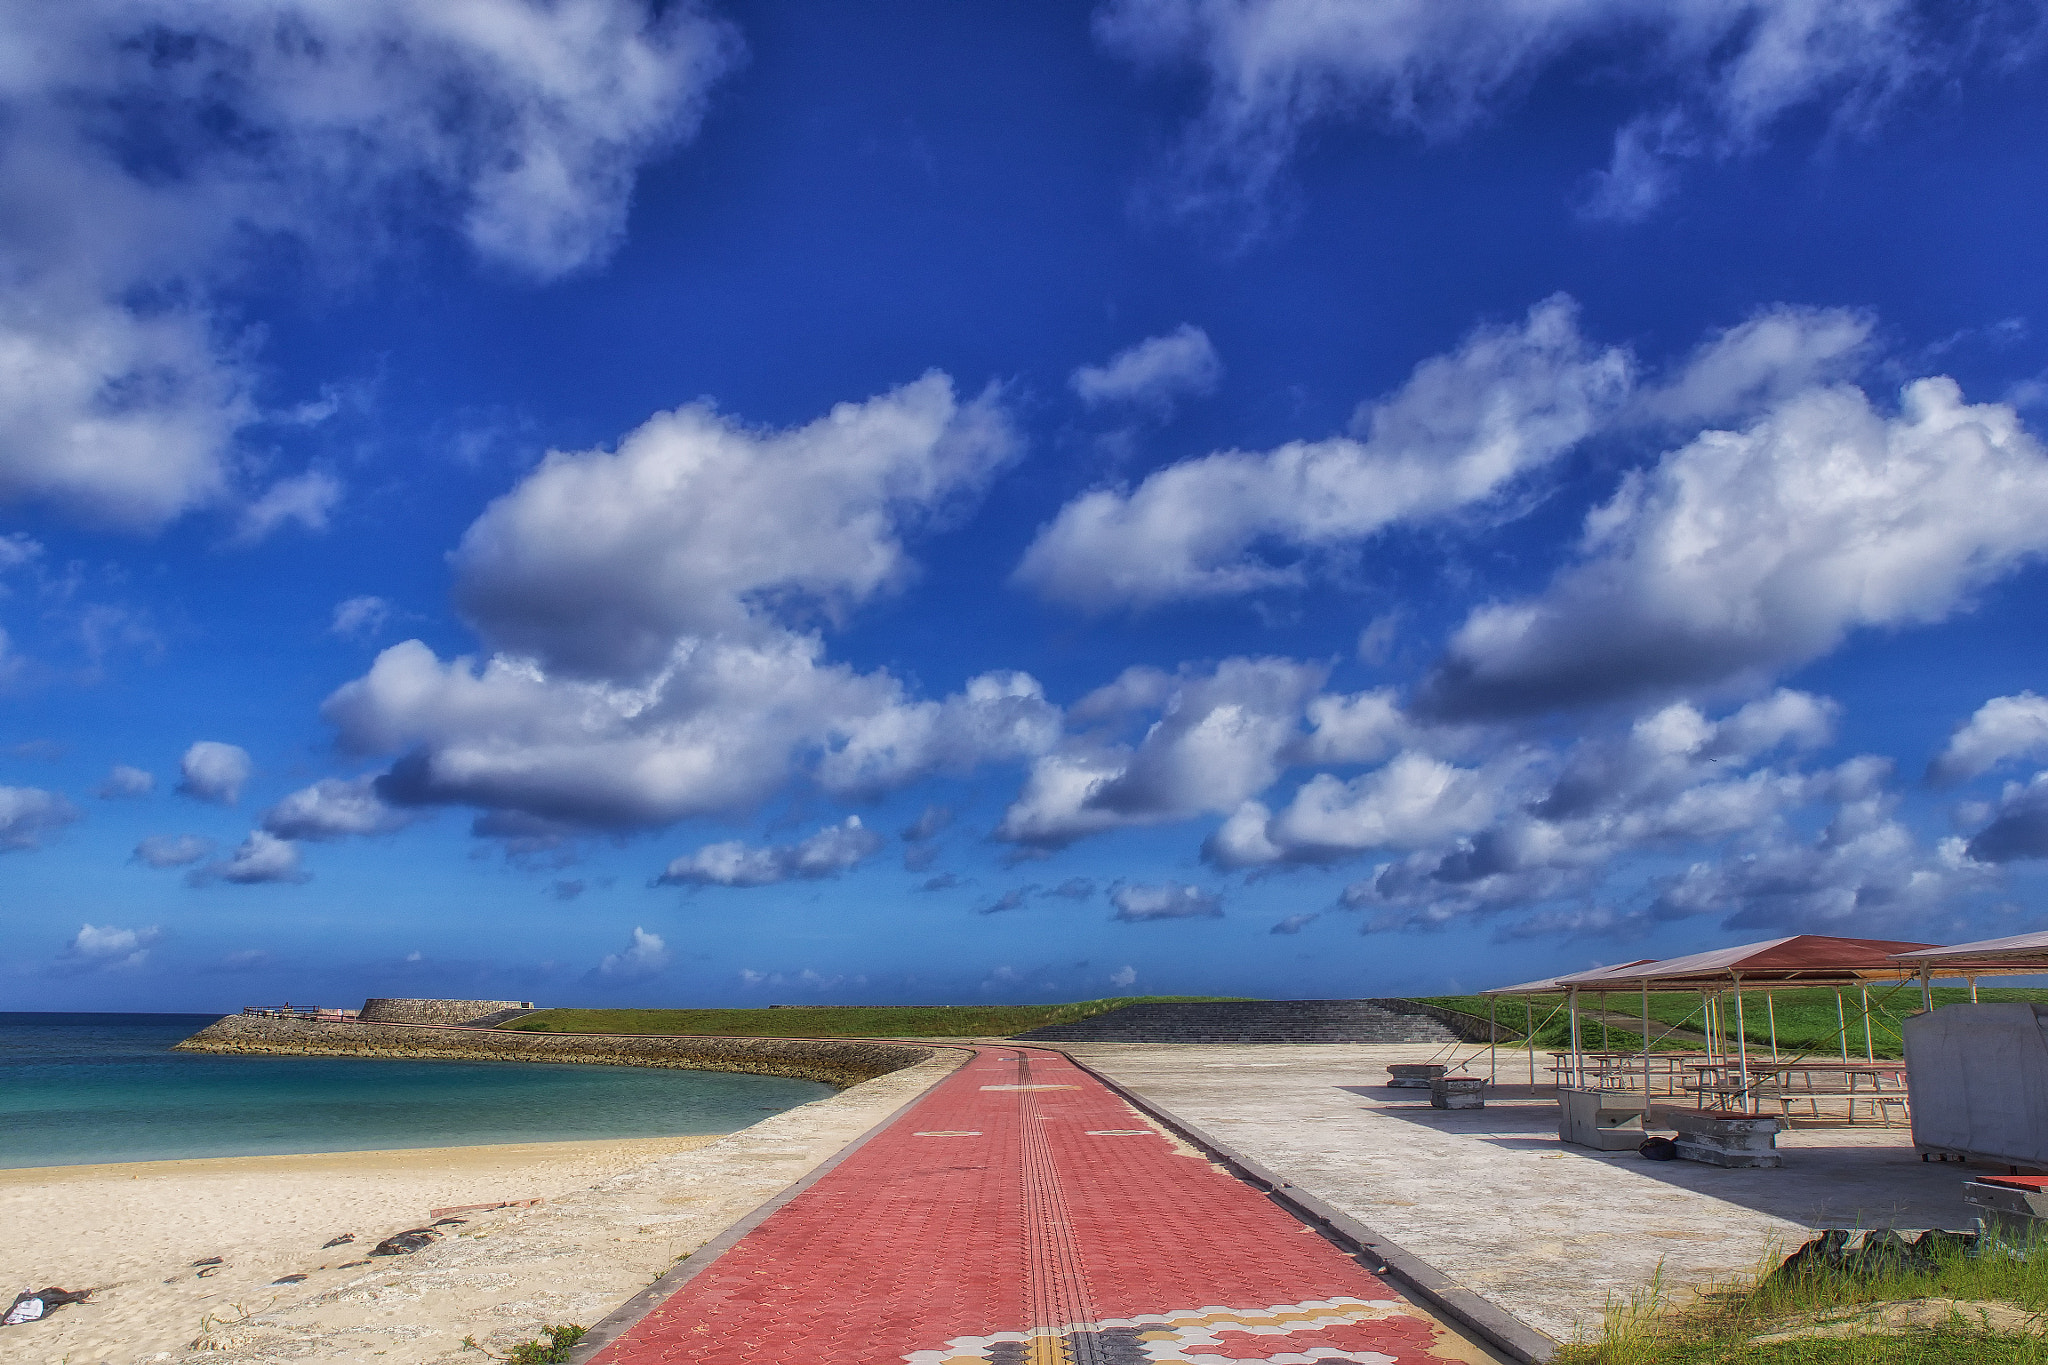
[380,1010]
[840,1063]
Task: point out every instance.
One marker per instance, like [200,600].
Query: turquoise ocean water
[80,1088]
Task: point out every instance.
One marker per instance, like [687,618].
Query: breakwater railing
[291,1011]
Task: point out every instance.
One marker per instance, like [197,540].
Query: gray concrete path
[1550,1232]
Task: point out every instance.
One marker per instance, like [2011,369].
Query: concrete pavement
[1551,1233]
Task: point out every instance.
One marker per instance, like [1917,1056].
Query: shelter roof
[2020,951]
[1552,984]
[1800,959]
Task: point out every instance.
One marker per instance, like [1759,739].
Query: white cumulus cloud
[359,618]
[599,561]
[646,607]
[1222,736]
[30,815]
[305,499]
[2003,728]
[333,808]
[258,859]
[166,850]
[644,955]
[328,124]
[1154,373]
[98,948]
[1463,427]
[1748,551]
[1138,902]
[2019,824]
[1412,801]
[213,771]
[1718,77]
[828,853]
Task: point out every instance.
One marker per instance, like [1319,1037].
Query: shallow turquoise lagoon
[80,1088]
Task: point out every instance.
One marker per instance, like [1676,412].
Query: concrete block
[1720,1137]
[2009,1207]
[1605,1120]
[1414,1075]
[1457,1092]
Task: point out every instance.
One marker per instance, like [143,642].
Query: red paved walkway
[1022,1213]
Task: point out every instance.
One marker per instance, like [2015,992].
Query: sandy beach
[616,1214]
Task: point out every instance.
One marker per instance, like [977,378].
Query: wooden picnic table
[1879,1084]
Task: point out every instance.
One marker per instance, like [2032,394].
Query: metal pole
[1529,1034]
[1742,1044]
[1492,1041]
[1973,990]
[1926,990]
[1869,1048]
[1646,1048]
[1771,1009]
[1572,1001]
[1841,1024]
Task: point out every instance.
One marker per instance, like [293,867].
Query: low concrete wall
[387,1011]
[831,1061]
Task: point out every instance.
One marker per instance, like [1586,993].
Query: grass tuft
[552,1351]
[1721,1326]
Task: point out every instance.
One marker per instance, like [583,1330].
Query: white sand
[618,1213]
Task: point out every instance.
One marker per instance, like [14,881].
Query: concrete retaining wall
[1470,1027]
[831,1061]
[1250,1021]
[383,1011]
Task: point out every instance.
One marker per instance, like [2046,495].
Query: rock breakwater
[833,1061]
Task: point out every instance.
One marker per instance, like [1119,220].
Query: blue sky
[749,504]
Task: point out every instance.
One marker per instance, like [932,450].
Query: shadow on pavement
[1875,1180]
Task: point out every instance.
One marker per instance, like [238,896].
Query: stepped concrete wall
[1253,1021]
[1469,1027]
[388,1011]
[835,1062]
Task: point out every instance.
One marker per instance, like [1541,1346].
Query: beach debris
[289,1279]
[340,1241]
[210,1270]
[449,1222]
[31,1305]
[1659,1149]
[405,1243]
[211,1260]
[485,1208]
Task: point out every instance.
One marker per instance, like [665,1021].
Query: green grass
[1959,1344]
[560,1342]
[1718,1328]
[1806,1018]
[840,1021]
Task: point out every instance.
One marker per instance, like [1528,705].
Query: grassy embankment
[841,1021]
[1974,1310]
[1806,1018]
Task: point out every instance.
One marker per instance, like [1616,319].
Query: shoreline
[452,1154]
[617,1213]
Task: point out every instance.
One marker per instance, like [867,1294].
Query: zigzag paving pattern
[1022,1214]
